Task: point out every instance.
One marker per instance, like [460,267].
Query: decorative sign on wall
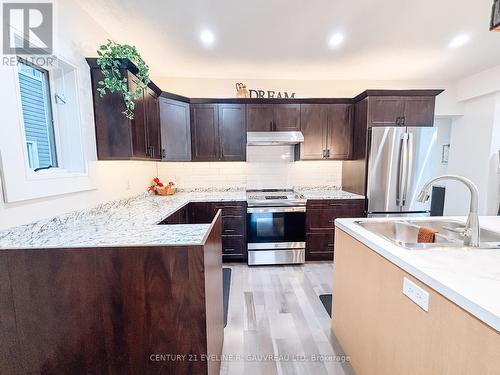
[495,16]
[243,92]
[271,94]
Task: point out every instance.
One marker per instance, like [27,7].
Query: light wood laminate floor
[277,323]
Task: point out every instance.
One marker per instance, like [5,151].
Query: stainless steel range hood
[274,138]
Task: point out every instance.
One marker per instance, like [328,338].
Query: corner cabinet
[273,117]
[327,130]
[218,132]
[120,138]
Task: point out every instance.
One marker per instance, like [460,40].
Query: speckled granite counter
[132,221]
[326,192]
[126,222]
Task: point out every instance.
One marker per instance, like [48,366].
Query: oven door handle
[259,210]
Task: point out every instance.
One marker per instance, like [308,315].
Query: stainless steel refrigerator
[400,161]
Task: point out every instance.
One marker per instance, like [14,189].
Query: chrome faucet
[471,230]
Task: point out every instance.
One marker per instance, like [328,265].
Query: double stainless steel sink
[448,233]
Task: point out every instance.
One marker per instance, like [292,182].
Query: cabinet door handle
[229,249]
[163,154]
[229,230]
[328,153]
[403,120]
[398,121]
[331,221]
[329,245]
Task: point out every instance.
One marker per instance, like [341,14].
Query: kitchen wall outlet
[416,294]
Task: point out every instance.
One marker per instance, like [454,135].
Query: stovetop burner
[274,197]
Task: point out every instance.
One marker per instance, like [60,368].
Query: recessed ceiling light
[336,40]
[207,37]
[459,41]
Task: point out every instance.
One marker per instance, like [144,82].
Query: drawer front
[231,208]
[234,248]
[322,214]
[320,245]
[234,225]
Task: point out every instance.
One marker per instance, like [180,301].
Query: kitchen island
[384,332]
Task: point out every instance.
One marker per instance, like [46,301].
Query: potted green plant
[110,59]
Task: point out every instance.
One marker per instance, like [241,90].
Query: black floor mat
[326,300]
[226,285]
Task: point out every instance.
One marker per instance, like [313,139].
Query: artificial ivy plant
[109,61]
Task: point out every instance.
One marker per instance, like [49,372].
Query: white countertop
[469,278]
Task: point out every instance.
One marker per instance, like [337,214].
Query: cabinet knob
[163,153]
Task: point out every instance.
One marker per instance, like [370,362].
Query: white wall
[475,143]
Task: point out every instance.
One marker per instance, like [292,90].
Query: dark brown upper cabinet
[327,130]
[273,117]
[232,132]
[117,137]
[175,130]
[218,132]
[390,108]
[205,132]
[286,117]
[153,125]
[260,117]
[401,111]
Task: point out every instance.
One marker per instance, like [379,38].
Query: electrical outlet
[416,294]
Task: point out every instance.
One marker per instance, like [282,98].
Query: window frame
[59,171]
[54,134]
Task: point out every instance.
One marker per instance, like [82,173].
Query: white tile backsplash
[268,172]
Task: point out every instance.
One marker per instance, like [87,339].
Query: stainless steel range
[276,227]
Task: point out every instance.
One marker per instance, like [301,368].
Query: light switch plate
[416,294]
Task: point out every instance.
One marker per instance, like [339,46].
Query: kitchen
[158,219]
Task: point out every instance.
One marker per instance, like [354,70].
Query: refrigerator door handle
[402,170]
[409,166]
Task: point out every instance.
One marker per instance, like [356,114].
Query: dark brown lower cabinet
[320,224]
[234,246]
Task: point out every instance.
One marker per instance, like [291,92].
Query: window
[38,116]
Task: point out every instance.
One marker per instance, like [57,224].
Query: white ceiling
[288,39]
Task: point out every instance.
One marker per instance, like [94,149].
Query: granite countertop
[132,221]
[126,222]
[326,192]
[469,278]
